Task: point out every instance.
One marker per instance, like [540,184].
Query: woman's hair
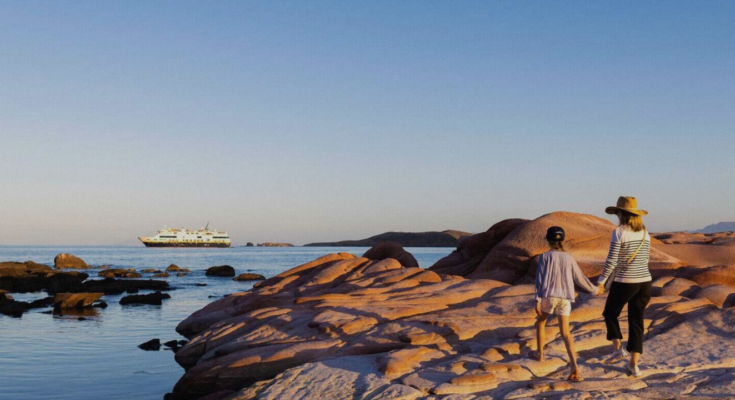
[556,245]
[632,221]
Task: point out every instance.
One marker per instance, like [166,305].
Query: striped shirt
[623,244]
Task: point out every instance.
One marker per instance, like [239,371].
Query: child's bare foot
[576,376]
[536,355]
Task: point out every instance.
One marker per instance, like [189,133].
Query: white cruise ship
[175,237]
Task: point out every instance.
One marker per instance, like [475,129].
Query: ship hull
[186,244]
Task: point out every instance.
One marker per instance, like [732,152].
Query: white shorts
[556,306]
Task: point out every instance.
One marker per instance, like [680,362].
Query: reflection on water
[76,313]
[93,353]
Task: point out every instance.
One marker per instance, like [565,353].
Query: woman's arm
[612,260]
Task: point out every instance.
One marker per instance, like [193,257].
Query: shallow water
[61,357]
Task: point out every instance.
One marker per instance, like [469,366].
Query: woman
[628,279]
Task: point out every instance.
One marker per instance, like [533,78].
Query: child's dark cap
[555,234]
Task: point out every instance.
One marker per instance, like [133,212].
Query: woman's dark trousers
[636,296]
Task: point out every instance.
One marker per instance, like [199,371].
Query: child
[556,274]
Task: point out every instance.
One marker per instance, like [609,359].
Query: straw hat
[627,204]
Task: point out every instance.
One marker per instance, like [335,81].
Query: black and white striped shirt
[623,244]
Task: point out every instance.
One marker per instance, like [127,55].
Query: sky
[318,121]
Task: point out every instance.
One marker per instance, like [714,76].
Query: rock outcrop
[391,250]
[221,270]
[272,244]
[473,249]
[65,260]
[698,249]
[448,238]
[119,273]
[248,277]
[343,326]
[27,277]
[155,299]
[587,238]
[64,301]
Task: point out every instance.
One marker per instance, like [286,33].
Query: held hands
[600,289]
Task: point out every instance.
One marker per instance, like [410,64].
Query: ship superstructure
[180,237]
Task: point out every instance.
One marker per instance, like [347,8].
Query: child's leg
[541,334]
[568,341]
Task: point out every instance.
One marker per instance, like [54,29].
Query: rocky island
[349,327]
[448,238]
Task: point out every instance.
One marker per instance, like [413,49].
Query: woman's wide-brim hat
[627,204]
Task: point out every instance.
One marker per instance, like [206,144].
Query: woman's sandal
[534,355]
[575,378]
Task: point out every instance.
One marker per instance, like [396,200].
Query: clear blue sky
[310,121]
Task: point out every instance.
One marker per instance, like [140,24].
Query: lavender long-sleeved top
[556,274]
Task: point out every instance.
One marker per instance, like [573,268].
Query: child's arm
[581,280]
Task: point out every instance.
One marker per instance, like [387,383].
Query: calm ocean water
[52,357]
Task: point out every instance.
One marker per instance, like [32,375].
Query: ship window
[221,237]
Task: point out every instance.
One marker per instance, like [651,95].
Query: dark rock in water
[272,244]
[173,268]
[394,251]
[151,271]
[116,286]
[201,284]
[10,307]
[13,309]
[65,260]
[81,319]
[248,277]
[250,244]
[119,273]
[221,270]
[180,274]
[27,277]
[151,345]
[161,275]
[174,345]
[100,304]
[212,297]
[151,298]
[183,342]
[63,301]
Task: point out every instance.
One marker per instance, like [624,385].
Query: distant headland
[448,238]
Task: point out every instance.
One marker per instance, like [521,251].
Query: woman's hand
[538,308]
[600,289]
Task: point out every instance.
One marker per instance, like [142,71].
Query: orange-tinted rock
[119,273]
[473,249]
[720,295]
[65,260]
[394,251]
[724,274]
[75,300]
[587,239]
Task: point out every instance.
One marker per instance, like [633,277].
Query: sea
[96,355]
